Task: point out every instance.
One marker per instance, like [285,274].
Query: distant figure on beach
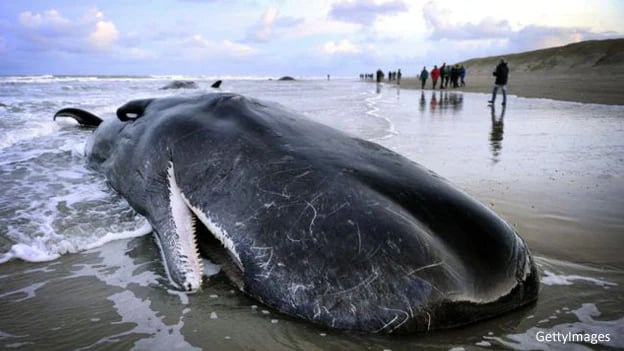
[501,73]
[423,77]
[462,75]
[443,73]
[328,77]
[399,77]
[380,75]
[435,75]
[455,76]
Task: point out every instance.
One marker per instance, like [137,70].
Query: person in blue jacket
[423,77]
[501,73]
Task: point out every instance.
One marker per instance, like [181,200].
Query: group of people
[455,74]
[379,76]
[446,74]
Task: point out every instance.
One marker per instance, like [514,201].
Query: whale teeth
[185,258]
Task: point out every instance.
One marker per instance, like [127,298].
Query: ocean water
[79,269]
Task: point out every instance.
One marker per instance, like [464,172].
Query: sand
[603,89]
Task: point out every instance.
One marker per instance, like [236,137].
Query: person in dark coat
[501,73]
[423,77]
[454,76]
[380,75]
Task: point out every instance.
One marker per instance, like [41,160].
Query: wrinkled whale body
[317,224]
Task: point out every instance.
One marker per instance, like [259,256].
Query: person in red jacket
[435,75]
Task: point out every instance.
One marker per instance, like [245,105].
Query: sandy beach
[589,72]
[597,89]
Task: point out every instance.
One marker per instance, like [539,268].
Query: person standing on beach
[447,75]
[399,77]
[501,73]
[435,74]
[442,75]
[454,76]
[462,75]
[423,77]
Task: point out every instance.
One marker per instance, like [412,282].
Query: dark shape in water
[180,84]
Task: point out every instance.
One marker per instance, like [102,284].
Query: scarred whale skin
[324,226]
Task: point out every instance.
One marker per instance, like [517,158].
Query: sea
[79,269]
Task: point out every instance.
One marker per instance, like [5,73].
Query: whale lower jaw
[185,267]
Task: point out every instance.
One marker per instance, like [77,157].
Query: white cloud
[321,27]
[492,32]
[141,54]
[104,35]
[51,18]
[271,25]
[237,49]
[342,47]
[51,31]
[439,20]
[365,12]
[263,29]
[201,48]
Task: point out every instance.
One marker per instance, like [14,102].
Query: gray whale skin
[315,223]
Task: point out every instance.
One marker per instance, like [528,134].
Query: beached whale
[317,224]
[180,84]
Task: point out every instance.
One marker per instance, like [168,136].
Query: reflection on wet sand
[442,101]
[496,134]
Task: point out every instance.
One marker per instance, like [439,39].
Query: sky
[280,37]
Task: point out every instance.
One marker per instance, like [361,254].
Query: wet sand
[597,88]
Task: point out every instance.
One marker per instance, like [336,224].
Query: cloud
[438,21]
[201,48]
[493,32]
[104,36]
[140,54]
[365,12]
[539,37]
[269,25]
[51,31]
[262,30]
[51,19]
[342,47]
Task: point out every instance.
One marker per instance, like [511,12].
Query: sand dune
[589,71]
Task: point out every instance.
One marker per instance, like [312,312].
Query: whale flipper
[133,109]
[81,116]
[216,84]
